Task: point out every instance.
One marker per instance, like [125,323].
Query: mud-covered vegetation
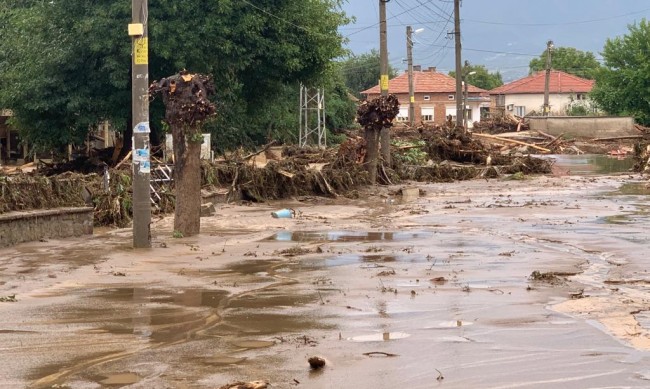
[443,155]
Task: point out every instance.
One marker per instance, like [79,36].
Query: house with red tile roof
[435,97]
[526,95]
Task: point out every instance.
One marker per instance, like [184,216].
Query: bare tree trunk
[372,153]
[187,180]
[385,145]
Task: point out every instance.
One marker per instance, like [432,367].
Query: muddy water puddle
[590,164]
[347,236]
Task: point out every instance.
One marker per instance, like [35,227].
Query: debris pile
[500,124]
[20,192]
[378,113]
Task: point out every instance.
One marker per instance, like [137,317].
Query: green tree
[481,78]
[568,59]
[65,64]
[623,83]
[361,72]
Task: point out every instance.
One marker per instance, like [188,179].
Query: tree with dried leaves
[187,107]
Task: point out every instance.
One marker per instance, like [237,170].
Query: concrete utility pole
[409,56]
[547,81]
[383,80]
[141,162]
[459,82]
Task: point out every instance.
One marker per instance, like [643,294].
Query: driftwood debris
[545,150]
[607,139]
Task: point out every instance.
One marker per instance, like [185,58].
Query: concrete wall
[584,126]
[17,227]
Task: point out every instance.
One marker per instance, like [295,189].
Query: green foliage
[413,155]
[362,72]
[580,108]
[65,65]
[177,234]
[568,59]
[623,83]
[482,78]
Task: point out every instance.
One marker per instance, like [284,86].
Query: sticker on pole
[141,155]
[142,128]
[145,167]
[141,51]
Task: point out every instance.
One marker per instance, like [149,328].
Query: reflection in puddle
[346,236]
[120,379]
[253,343]
[633,189]
[449,324]
[223,360]
[351,259]
[590,164]
[380,337]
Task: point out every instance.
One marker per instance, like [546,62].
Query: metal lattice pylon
[312,117]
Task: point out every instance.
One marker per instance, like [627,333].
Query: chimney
[432,69]
[417,68]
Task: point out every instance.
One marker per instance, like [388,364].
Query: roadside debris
[8,299]
[284,213]
[316,363]
[246,385]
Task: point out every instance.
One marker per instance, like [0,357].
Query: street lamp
[465,97]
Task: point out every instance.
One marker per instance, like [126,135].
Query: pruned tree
[187,107]
[375,115]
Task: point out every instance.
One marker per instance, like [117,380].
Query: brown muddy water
[430,292]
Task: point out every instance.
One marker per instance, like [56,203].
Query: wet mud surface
[417,292]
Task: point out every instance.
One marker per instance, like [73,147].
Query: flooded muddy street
[541,282]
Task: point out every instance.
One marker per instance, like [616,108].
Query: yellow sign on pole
[141,51]
[383,84]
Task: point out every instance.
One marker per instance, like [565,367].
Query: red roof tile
[423,82]
[559,82]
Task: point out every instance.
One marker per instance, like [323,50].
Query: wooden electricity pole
[383,81]
[547,80]
[141,162]
[409,58]
[459,82]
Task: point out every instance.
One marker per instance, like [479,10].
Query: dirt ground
[393,292]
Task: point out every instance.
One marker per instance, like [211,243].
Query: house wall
[534,102]
[584,126]
[439,102]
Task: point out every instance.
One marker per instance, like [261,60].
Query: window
[427,114]
[581,96]
[451,97]
[427,98]
[403,115]
[450,110]
[468,114]
[501,100]
[520,110]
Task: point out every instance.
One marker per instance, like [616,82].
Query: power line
[376,24]
[556,24]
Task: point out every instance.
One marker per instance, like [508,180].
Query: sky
[503,35]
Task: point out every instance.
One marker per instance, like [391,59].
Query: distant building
[526,95]
[435,97]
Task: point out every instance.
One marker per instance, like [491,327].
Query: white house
[526,95]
